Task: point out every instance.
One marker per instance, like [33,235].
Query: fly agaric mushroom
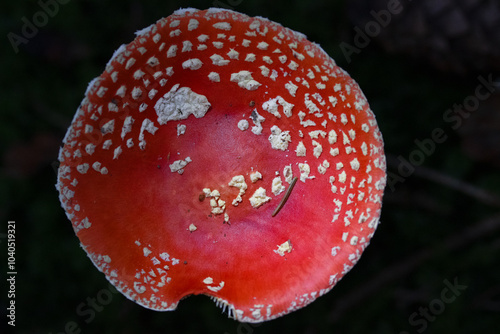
[224,155]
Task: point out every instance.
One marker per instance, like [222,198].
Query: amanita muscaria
[184,147]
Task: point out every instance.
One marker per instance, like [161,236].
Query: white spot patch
[153,61]
[216,288]
[245,80]
[203,38]
[318,149]
[354,240]
[291,87]
[259,198]
[96,166]
[172,51]
[352,134]
[279,139]
[288,173]
[151,95]
[217,205]
[181,129]
[193,24]
[293,65]
[175,33]
[136,93]
[106,145]
[313,108]
[305,170]
[238,181]
[130,142]
[250,57]
[138,74]
[342,177]
[257,120]
[218,60]
[192,64]
[179,103]
[355,164]
[284,247]
[214,77]
[117,152]
[264,71]
[255,176]
[271,106]
[243,125]
[139,288]
[129,63]
[83,168]
[316,133]
[364,148]
[147,125]
[277,187]
[343,119]
[222,25]
[233,54]
[187,46]
[323,167]
[210,280]
[90,148]
[218,44]
[332,137]
[346,140]
[178,165]
[262,46]
[335,250]
[301,149]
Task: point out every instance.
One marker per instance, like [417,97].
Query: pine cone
[461,36]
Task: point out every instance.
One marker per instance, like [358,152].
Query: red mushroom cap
[183,149]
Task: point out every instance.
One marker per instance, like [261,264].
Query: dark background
[439,227]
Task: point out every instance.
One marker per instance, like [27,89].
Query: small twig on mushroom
[285,198]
